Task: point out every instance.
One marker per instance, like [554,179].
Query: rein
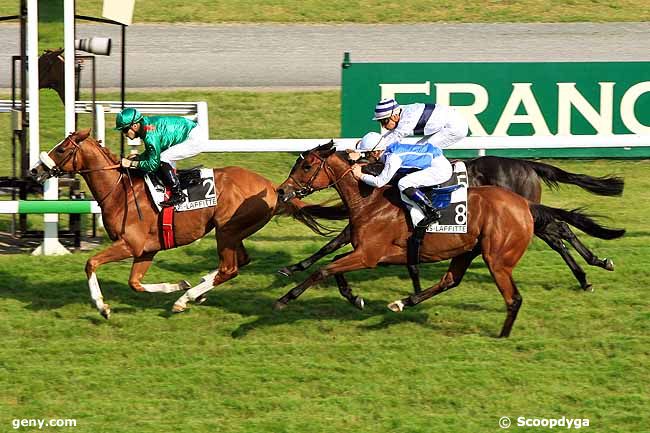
[308,188]
[57,171]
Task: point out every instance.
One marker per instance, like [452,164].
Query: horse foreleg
[349,262]
[118,251]
[451,279]
[139,269]
[340,240]
[344,288]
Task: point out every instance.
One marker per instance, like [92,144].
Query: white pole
[68,46]
[51,244]
[100,124]
[32,80]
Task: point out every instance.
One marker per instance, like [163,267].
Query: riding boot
[168,176]
[431,213]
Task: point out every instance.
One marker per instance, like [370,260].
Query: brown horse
[51,72]
[525,178]
[246,202]
[501,225]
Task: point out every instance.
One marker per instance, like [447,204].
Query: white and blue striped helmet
[385,108]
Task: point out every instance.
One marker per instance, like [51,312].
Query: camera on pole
[100,46]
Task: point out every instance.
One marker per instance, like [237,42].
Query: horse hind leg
[502,274]
[554,240]
[242,256]
[566,233]
[227,270]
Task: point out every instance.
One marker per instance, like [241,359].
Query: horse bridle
[57,171]
[307,189]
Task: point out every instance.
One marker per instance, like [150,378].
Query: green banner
[511,99]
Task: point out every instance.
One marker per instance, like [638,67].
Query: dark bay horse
[246,202]
[500,227]
[525,178]
[51,73]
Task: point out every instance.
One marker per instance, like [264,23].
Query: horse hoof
[184,285]
[201,299]
[279,305]
[396,307]
[609,264]
[106,312]
[359,302]
[178,308]
[285,272]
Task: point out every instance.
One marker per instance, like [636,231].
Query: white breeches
[186,149]
[453,129]
[439,172]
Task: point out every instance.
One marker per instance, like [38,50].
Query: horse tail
[553,176]
[308,213]
[544,215]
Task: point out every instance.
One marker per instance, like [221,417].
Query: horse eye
[306,167]
[60,149]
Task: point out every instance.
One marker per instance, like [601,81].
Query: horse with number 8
[501,225]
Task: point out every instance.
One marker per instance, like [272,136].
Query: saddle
[188,177]
[440,195]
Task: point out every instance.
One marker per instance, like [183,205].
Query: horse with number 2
[246,202]
[500,226]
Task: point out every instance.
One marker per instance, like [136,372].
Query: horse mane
[105,150]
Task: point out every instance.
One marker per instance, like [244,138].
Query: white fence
[481,144]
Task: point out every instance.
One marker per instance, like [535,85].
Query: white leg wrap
[95,292]
[397,306]
[162,288]
[204,286]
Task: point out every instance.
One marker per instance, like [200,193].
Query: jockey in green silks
[166,139]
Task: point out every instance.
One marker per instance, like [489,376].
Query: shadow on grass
[237,296]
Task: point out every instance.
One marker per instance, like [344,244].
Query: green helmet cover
[126,118]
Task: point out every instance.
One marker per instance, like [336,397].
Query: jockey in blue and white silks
[432,169]
[439,124]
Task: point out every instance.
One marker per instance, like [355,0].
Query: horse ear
[81,135]
[330,148]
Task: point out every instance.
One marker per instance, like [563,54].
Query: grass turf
[234,365]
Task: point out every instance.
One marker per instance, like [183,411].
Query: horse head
[307,174]
[51,71]
[71,155]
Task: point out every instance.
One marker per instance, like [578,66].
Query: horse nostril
[33,171]
[280,192]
